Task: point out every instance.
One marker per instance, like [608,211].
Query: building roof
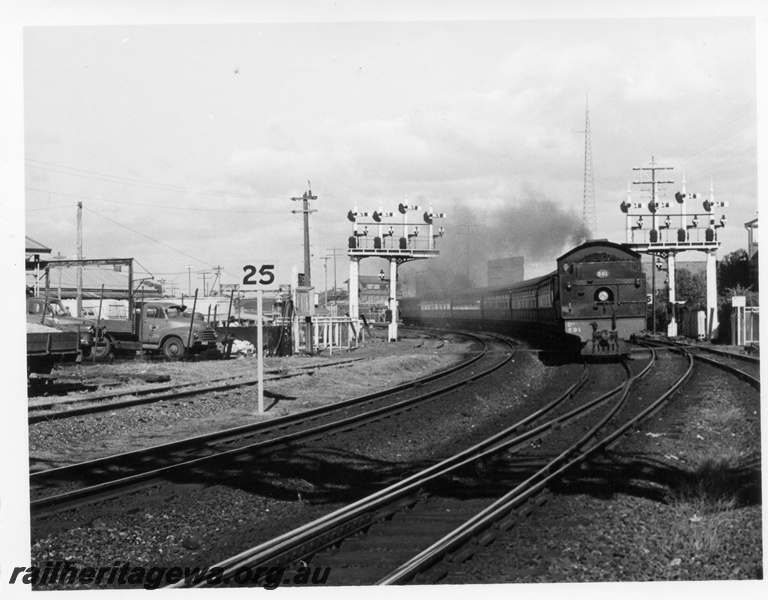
[34,247]
[65,279]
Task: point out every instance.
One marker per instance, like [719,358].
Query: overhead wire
[180,208]
[725,133]
[129,181]
[150,238]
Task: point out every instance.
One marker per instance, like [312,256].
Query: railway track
[746,368]
[50,408]
[61,408]
[69,487]
[418,529]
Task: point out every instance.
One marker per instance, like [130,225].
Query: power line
[149,238]
[48,208]
[176,208]
[128,181]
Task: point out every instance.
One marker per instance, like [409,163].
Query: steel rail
[100,491]
[311,537]
[523,492]
[40,411]
[742,357]
[40,415]
[258,428]
[754,382]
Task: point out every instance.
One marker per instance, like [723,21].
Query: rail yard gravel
[677,499]
[619,530]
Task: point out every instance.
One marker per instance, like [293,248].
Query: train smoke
[536,228]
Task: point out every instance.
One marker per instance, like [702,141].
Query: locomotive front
[602,297]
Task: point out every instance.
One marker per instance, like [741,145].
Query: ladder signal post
[680,242]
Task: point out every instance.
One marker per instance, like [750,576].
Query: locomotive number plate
[571,327]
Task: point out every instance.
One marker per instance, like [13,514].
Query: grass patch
[700,536]
[712,485]
[704,500]
[723,417]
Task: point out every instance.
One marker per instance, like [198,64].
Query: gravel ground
[677,499]
[58,442]
[183,524]
[630,533]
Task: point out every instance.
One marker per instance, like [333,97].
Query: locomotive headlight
[602,295]
[637,282]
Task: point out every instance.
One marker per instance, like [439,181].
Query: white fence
[330,332]
[745,325]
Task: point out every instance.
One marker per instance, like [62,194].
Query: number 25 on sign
[263,275]
[266,275]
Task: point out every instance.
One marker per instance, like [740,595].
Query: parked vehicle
[156,326]
[46,347]
[51,313]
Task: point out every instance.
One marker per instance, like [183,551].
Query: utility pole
[334,254]
[204,273]
[79,257]
[217,270]
[653,204]
[653,183]
[306,210]
[325,268]
[59,256]
[189,278]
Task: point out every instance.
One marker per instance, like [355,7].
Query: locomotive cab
[602,297]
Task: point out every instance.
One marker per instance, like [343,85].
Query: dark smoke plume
[536,228]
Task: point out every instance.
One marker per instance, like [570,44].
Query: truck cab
[51,313]
[157,326]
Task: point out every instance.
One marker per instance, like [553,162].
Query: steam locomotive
[593,302]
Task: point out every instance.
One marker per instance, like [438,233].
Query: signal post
[660,241]
[413,244]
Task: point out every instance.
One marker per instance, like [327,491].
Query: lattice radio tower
[589,215]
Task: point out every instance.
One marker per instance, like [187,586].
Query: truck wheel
[103,350]
[173,348]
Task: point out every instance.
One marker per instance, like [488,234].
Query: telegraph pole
[334,255]
[204,273]
[189,278]
[653,204]
[217,270]
[306,210]
[653,183]
[79,257]
[325,268]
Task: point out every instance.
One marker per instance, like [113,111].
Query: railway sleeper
[461,555]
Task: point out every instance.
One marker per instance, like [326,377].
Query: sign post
[260,348]
[267,276]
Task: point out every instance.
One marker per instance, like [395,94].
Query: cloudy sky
[185,128]
[186,142]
